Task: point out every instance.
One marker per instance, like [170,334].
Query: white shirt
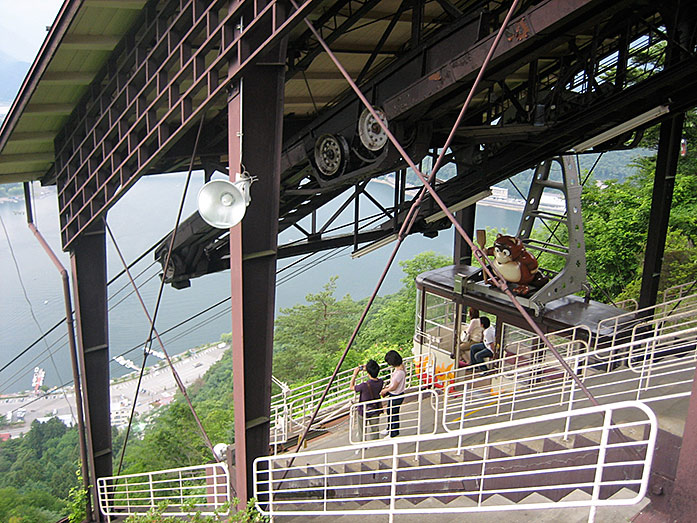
[474,331]
[399,377]
[490,338]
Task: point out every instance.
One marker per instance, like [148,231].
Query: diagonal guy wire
[157,306]
[177,379]
[411,216]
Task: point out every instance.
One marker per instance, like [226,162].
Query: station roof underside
[76,48]
[87,33]
[559,76]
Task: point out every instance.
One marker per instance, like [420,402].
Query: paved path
[157,386]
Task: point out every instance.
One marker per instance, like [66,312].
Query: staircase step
[497,500]
[555,444]
[581,441]
[522,450]
[576,495]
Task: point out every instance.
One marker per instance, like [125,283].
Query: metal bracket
[572,278]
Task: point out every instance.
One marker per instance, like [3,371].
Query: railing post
[599,469]
[418,423]
[516,373]
[128,494]
[364,422]
[485,457]
[181,489]
[271,491]
[565,378]
[393,485]
[500,393]
[152,493]
[462,418]
[326,477]
[572,394]
[446,405]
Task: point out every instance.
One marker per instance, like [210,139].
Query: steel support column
[462,253]
[664,181]
[261,124]
[88,263]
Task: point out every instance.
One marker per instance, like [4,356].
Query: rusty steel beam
[162,84]
[528,33]
[88,264]
[255,126]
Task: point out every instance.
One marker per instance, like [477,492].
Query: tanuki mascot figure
[516,264]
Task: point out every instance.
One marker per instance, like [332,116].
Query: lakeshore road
[157,388]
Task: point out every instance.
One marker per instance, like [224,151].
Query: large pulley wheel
[371,134]
[331,155]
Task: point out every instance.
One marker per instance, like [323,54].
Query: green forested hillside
[37,473]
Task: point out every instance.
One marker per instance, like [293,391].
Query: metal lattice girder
[174,66]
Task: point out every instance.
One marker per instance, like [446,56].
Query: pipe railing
[647,369]
[641,341]
[186,491]
[416,416]
[616,331]
[683,290]
[291,411]
[391,478]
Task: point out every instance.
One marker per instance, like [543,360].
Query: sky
[23,26]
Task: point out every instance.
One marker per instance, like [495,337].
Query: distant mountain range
[12,73]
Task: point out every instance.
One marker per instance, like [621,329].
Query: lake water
[142,217]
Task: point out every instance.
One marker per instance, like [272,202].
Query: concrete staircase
[448,484]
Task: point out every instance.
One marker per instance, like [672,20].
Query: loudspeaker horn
[222,204]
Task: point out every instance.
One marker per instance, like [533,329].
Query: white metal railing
[649,369]
[203,489]
[280,425]
[630,304]
[683,290]
[521,384]
[616,331]
[527,377]
[291,410]
[416,416]
[592,457]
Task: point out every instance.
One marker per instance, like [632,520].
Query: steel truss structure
[566,72]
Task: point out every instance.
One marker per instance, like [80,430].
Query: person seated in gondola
[473,334]
[485,349]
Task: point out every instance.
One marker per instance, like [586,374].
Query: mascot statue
[516,264]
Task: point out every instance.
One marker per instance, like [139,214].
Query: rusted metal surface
[88,265]
[254,134]
[515,118]
[184,57]
[139,114]
[85,454]
[683,499]
[664,182]
[237,302]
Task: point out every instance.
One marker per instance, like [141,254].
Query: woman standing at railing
[394,389]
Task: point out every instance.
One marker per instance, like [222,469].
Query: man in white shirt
[486,349]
